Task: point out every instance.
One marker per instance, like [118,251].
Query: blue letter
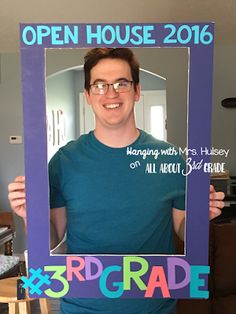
[103,280]
[147,35]
[113,35]
[135,33]
[42,31]
[24,35]
[56,36]
[91,35]
[120,40]
[68,35]
[196,282]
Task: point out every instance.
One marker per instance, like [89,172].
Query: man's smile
[112,106]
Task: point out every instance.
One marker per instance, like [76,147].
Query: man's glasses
[101,88]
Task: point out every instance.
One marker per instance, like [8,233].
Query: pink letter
[74,269]
[157,273]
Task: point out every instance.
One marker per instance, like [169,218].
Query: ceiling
[12,12]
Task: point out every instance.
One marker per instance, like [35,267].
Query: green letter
[59,270]
[135,275]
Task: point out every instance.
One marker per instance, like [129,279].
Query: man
[104,204]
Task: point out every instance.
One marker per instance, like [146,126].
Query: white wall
[11,156]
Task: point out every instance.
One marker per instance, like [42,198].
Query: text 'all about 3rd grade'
[192,163]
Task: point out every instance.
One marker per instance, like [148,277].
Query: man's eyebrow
[99,81]
[105,81]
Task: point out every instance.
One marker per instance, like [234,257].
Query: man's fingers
[18,202]
[17,184]
[19,179]
[217,204]
[214,212]
[15,187]
[16,195]
[212,189]
[19,206]
[217,196]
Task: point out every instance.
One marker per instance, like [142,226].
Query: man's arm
[16,196]
[178,217]
[215,205]
[58,225]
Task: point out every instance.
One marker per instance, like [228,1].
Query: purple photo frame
[160,276]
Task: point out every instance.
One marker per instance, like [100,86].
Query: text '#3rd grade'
[114,280]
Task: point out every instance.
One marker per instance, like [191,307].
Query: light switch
[15,139]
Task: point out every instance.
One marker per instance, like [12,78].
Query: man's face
[113,109]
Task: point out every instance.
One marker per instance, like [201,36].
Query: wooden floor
[55,305]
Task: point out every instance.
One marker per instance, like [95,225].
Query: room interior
[163,63]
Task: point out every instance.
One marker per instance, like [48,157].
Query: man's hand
[215,203]
[16,196]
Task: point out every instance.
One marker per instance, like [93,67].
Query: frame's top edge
[117,23]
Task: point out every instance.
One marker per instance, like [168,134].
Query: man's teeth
[112,106]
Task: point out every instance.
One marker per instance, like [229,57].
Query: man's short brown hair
[97,54]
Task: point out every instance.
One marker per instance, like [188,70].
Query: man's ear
[87,96]
[137,92]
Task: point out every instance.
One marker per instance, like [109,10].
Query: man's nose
[111,92]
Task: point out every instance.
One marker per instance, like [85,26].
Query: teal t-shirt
[118,200]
